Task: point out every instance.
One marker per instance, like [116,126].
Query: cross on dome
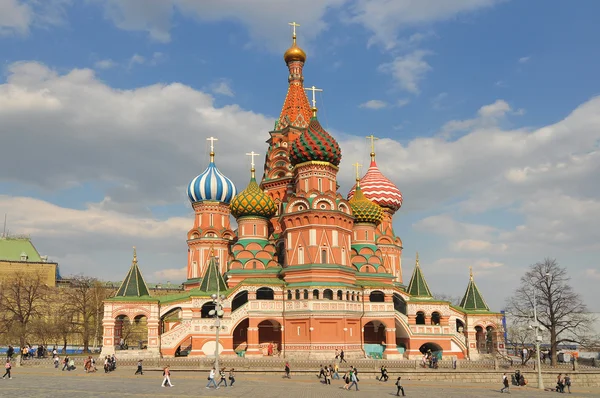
[357,166]
[252,155]
[212,147]
[372,138]
[293,25]
[314,92]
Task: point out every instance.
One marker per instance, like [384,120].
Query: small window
[305,294]
[316,294]
[297,294]
[324,256]
[254,229]
[289,295]
[420,320]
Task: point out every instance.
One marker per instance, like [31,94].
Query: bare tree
[22,298]
[454,300]
[83,300]
[559,309]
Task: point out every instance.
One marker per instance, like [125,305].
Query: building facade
[307,270]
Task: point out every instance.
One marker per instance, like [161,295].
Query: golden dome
[294,53]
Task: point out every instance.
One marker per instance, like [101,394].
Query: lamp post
[217,314]
[536,326]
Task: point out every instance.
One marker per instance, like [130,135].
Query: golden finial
[417,264]
[134,256]
[314,99]
[372,138]
[212,147]
[471,272]
[294,53]
[252,169]
[212,250]
[357,166]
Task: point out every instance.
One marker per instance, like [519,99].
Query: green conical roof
[212,277]
[473,300]
[418,286]
[134,284]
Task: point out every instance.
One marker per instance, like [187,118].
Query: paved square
[49,382]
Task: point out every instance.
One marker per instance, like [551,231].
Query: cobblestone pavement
[41,382]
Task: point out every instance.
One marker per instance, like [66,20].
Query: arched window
[305,294]
[328,294]
[254,229]
[377,296]
[320,184]
[420,318]
[324,256]
[297,294]
[435,318]
[253,264]
[353,296]
[289,294]
[366,235]
[347,296]
[239,299]
[265,293]
[399,304]
[340,295]
[316,294]
[300,255]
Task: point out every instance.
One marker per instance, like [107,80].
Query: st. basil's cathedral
[306,272]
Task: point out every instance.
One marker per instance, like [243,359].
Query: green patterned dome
[252,201]
[364,210]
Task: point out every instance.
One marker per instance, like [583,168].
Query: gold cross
[314,90]
[417,259]
[293,25]
[357,166]
[471,272]
[212,143]
[373,139]
[252,155]
[134,255]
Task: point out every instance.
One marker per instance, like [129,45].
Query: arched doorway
[206,308]
[435,349]
[402,336]
[240,337]
[460,326]
[490,339]
[399,304]
[435,318]
[170,319]
[374,339]
[327,294]
[122,332]
[480,339]
[420,318]
[269,332]
[238,300]
[377,296]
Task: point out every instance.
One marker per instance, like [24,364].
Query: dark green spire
[212,277]
[473,300]
[418,286]
[134,284]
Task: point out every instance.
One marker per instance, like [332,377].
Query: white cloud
[524,60]
[223,87]
[385,18]
[476,246]
[374,104]
[438,101]
[408,70]
[15,17]
[402,102]
[136,59]
[171,274]
[592,273]
[105,64]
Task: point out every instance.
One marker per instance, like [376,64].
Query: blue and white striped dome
[211,185]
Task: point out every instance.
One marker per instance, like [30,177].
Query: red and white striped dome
[376,187]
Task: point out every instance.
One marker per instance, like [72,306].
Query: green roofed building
[418,285]
[19,255]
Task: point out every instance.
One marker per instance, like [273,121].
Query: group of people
[519,380]
[562,382]
[223,378]
[429,360]
[110,363]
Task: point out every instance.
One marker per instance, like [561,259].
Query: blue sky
[487,110]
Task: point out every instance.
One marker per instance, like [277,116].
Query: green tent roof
[133,285]
[12,249]
[212,278]
[418,286]
[473,300]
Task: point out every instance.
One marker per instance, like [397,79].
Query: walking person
[231,377]
[139,368]
[568,383]
[336,369]
[65,362]
[223,378]
[399,385]
[505,383]
[287,370]
[10,352]
[337,354]
[346,380]
[211,379]
[354,380]
[167,377]
[342,356]
[560,383]
[8,367]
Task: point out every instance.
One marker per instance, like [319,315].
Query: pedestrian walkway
[36,382]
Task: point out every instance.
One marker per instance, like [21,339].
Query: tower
[379,189]
[210,194]
[252,251]
[294,118]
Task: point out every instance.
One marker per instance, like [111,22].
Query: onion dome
[252,201]
[379,189]
[363,209]
[315,144]
[211,185]
[294,53]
